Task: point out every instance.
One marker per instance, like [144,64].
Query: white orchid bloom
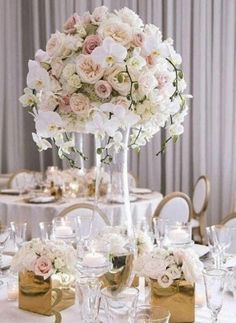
[64,146]
[28,99]
[155,49]
[42,144]
[37,77]
[116,143]
[48,124]
[109,53]
[175,129]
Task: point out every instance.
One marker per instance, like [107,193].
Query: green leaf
[180,74]
[99,150]
[136,85]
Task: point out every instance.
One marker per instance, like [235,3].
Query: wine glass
[213,246]
[46,230]
[159,230]
[4,236]
[214,280]
[223,235]
[19,233]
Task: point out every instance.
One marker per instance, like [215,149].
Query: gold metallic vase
[179,299]
[38,295]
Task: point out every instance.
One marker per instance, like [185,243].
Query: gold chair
[201,194]
[18,179]
[175,207]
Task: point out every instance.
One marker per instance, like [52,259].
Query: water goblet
[214,280]
[159,230]
[224,236]
[46,230]
[152,314]
[4,236]
[120,307]
[88,297]
[19,233]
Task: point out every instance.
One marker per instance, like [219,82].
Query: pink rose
[57,67]
[64,104]
[43,267]
[90,43]
[103,89]
[70,24]
[79,103]
[138,39]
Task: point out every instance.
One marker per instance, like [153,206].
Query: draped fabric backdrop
[204,34]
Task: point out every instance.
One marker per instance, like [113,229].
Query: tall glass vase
[122,251]
[79,143]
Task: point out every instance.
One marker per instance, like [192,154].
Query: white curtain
[204,34]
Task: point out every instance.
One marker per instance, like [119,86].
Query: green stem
[163,146]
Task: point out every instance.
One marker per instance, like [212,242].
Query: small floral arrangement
[166,266]
[106,72]
[44,258]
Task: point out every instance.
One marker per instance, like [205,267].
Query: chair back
[90,218]
[201,193]
[175,207]
[230,221]
[22,179]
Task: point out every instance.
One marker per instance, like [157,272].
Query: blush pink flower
[138,39]
[70,24]
[64,104]
[43,267]
[79,103]
[103,89]
[90,43]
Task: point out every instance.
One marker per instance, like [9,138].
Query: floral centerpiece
[105,72]
[172,275]
[45,276]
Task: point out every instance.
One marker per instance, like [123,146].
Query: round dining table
[9,311]
[15,208]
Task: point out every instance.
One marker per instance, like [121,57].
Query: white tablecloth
[13,208]
[9,312]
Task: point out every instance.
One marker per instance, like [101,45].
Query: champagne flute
[4,236]
[214,246]
[19,233]
[214,280]
[223,235]
[159,230]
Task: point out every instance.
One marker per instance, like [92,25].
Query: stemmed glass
[46,230]
[214,280]
[223,236]
[19,233]
[159,230]
[4,236]
[214,246]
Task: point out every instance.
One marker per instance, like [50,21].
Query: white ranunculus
[68,71]
[59,263]
[130,17]
[119,80]
[147,82]
[28,99]
[99,14]
[116,29]
[48,124]
[109,53]
[42,144]
[74,81]
[73,42]
[174,272]
[88,70]
[37,77]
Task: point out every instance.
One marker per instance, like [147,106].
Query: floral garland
[106,72]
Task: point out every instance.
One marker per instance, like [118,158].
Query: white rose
[29,259]
[119,81]
[68,71]
[136,62]
[174,272]
[55,45]
[114,28]
[130,17]
[74,81]
[73,42]
[99,14]
[89,71]
[165,280]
